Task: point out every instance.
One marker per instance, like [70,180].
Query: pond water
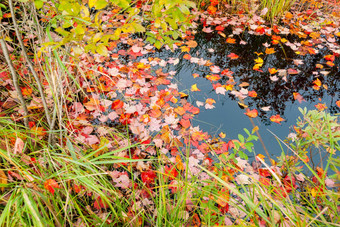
[274,92]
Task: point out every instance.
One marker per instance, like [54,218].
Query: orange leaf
[223,198]
[210,101]
[276,118]
[270,51]
[185,49]
[231,40]
[26,91]
[321,106]
[317,82]
[50,185]
[93,104]
[338,103]
[289,15]
[272,70]
[252,94]
[180,110]
[155,113]
[251,113]
[195,75]
[191,43]
[187,56]
[213,77]
[39,131]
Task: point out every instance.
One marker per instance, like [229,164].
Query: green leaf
[185,10]
[121,3]
[61,31]
[241,138]
[38,4]
[242,155]
[102,50]
[100,4]
[158,44]
[249,146]
[175,35]
[138,27]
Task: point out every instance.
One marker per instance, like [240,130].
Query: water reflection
[270,93]
[227,116]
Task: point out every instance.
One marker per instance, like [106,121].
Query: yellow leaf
[102,50]
[91,3]
[97,37]
[313,192]
[259,60]
[84,12]
[194,88]
[255,129]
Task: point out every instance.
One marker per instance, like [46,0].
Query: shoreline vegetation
[94,130]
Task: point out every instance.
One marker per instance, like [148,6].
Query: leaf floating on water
[298,97]
[251,113]
[293,71]
[265,108]
[298,62]
[232,56]
[194,88]
[276,118]
[242,105]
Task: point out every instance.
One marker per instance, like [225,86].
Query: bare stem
[30,65]
[15,80]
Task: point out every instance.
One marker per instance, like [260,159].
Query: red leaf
[185,123]
[99,203]
[117,104]
[233,56]
[148,177]
[219,28]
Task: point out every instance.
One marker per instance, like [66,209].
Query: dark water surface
[227,116]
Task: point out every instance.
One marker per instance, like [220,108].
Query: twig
[30,65]
[15,81]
